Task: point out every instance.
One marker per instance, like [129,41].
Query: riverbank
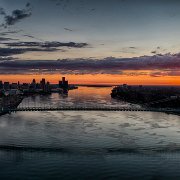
[149,97]
[8,102]
[156,97]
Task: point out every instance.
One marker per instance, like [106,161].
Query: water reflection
[87,145]
[84,96]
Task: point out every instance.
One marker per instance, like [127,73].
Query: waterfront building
[43,87]
[6,85]
[43,84]
[13,92]
[14,86]
[48,87]
[25,86]
[1,85]
[63,84]
[33,86]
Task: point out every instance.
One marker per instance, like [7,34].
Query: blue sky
[118,28]
[122,37]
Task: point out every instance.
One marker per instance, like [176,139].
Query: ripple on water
[89,144]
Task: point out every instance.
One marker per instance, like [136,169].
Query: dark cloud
[67,29]
[14,48]
[2,11]
[15,51]
[6,39]
[6,58]
[165,73]
[16,15]
[10,32]
[159,63]
[47,44]
[157,50]
[154,52]
[62,3]
[30,36]
[28,5]
[131,50]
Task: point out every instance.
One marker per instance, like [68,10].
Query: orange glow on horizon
[98,79]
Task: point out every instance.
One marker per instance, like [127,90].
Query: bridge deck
[90,109]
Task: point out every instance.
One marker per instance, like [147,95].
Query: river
[88,145]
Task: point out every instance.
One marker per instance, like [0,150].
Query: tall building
[18,84]
[6,86]
[63,84]
[34,81]
[25,86]
[1,85]
[14,86]
[63,79]
[43,84]
[48,88]
[33,85]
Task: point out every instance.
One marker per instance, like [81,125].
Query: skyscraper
[63,84]
[43,84]
[1,85]
[6,86]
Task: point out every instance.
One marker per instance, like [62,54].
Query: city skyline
[94,80]
[91,42]
[33,81]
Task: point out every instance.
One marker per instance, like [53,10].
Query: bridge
[28,106]
[95,108]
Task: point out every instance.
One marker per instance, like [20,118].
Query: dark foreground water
[88,145]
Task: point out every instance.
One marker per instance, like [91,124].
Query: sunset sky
[91,41]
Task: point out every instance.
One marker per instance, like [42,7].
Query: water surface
[88,145]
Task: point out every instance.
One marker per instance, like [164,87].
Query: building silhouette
[63,84]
